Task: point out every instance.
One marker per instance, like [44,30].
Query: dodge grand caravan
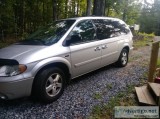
[44,62]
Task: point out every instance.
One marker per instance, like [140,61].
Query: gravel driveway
[80,96]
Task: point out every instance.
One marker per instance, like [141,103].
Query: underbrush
[142,39]
[8,41]
[144,36]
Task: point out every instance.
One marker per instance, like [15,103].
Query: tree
[128,10]
[103,3]
[99,7]
[54,9]
[125,10]
[150,18]
[89,6]
[21,17]
[66,8]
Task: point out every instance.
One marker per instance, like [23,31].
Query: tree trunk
[73,8]
[89,6]
[108,10]
[58,10]
[99,6]
[96,7]
[20,16]
[43,12]
[103,7]
[78,5]
[66,8]
[54,3]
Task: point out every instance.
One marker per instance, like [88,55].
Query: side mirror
[72,40]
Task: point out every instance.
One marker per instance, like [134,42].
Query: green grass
[133,58]
[143,39]
[97,96]
[109,86]
[106,111]
[140,43]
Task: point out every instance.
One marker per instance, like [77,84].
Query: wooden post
[153,61]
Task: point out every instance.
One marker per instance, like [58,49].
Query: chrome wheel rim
[124,58]
[53,84]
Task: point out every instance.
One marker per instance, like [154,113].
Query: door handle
[104,47]
[97,48]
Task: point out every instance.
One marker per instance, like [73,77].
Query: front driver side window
[85,30]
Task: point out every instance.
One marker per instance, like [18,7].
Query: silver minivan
[43,63]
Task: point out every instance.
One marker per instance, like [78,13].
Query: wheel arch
[60,65]
[63,65]
[56,61]
[126,47]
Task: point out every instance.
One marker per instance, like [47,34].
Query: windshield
[48,35]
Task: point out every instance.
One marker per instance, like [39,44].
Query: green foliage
[21,17]
[117,8]
[2,44]
[150,18]
[143,39]
[158,62]
[146,35]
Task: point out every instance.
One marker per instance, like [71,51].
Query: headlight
[12,70]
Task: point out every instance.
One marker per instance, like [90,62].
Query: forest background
[18,18]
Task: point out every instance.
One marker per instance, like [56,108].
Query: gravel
[80,96]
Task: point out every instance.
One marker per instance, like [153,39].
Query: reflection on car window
[50,34]
[110,28]
[120,27]
[85,30]
[101,31]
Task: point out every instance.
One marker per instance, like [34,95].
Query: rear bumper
[15,89]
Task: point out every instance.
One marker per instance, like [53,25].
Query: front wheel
[49,84]
[123,58]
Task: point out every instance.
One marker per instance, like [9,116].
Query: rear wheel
[123,58]
[49,84]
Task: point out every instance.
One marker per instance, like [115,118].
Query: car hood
[18,51]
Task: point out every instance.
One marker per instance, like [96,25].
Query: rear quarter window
[120,27]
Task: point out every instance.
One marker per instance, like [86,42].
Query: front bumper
[18,87]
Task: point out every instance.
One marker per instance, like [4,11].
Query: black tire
[123,58]
[49,85]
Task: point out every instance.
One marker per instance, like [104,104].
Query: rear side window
[119,27]
[110,28]
[85,30]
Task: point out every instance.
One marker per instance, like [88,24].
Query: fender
[48,61]
[121,44]
[125,45]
